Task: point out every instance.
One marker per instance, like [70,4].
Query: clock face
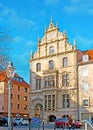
[51,35]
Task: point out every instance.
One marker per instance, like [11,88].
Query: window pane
[65,80]
[65,62]
[51,50]
[38,66]
[51,64]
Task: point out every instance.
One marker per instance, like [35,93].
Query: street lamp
[10,71]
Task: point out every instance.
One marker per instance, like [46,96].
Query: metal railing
[86,123]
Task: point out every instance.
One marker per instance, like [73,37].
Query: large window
[86,102]
[66,100]
[65,62]
[51,64]
[49,102]
[65,80]
[50,81]
[38,83]
[51,50]
[25,90]
[85,86]
[84,72]
[38,67]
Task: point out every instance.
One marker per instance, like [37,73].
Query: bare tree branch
[5,39]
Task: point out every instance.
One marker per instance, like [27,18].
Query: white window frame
[84,72]
[85,86]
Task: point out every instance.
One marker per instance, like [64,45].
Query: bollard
[12,124]
[43,124]
[29,119]
[85,126]
[54,126]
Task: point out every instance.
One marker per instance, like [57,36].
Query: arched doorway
[52,118]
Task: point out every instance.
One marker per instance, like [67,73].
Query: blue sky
[26,21]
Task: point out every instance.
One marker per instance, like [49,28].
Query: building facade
[85,83]
[54,76]
[19,96]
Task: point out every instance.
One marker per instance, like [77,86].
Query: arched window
[51,50]
[51,64]
[65,62]
[38,66]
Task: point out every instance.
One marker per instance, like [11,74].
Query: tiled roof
[90,53]
[3,77]
[79,55]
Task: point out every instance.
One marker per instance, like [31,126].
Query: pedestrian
[71,126]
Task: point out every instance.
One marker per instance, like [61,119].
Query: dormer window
[51,50]
[18,79]
[85,58]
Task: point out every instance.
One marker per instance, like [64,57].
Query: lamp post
[10,71]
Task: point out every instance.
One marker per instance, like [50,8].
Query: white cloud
[18,39]
[79,7]
[14,17]
[84,43]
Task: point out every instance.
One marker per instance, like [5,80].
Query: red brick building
[20,100]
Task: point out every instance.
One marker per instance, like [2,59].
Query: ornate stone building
[54,76]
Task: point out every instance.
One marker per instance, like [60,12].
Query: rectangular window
[85,102]
[38,66]
[18,106]
[65,80]
[18,97]
[65,62]
[45,102]
[18,88]
[51,50]
[25,107]
[25,90]
[66,101]
[84,72]
[49,102]
[50,81]
[25,98]
[85,86]
[53,102]
[51,64]
[38,83]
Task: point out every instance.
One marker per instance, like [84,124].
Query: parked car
[77,124]
[25,122]
[62,122]
[3,121]
[17,121]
